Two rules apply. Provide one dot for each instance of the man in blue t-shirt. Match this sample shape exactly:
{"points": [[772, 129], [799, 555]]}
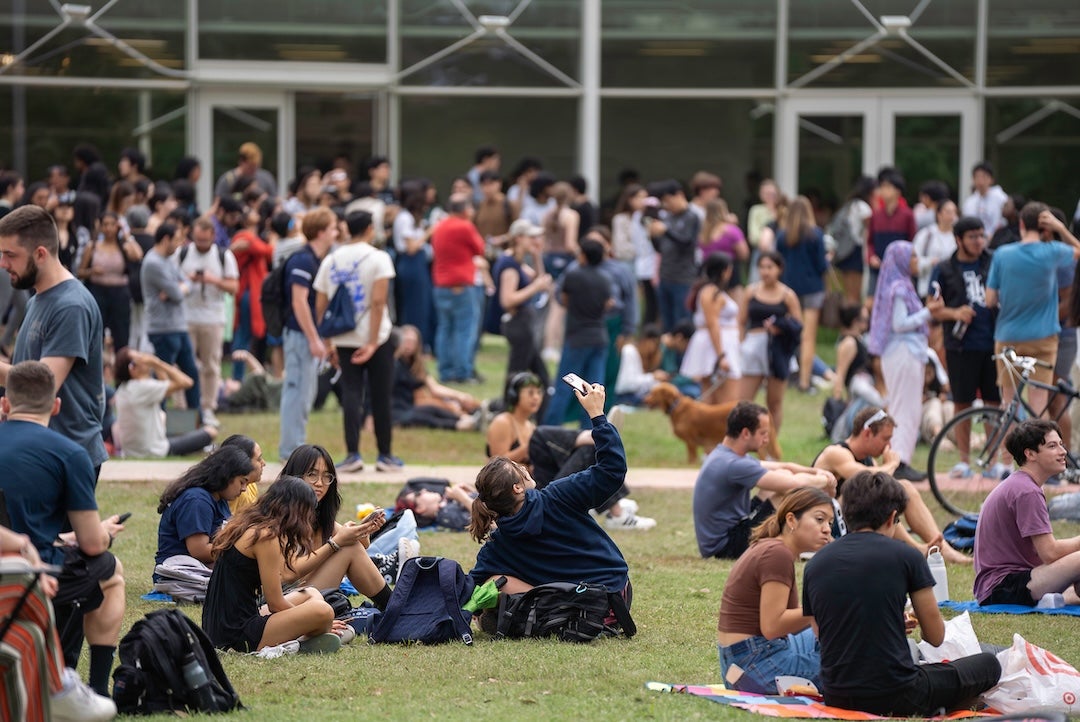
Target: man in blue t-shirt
{"points": [[1023, 282], [724, 514], [62, 327], [50, 484], [968, 326], [302, 345]]}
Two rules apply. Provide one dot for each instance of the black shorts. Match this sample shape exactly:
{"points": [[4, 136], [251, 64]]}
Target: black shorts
{"points": [[972, 372], [81, 576], [1012, 589]]}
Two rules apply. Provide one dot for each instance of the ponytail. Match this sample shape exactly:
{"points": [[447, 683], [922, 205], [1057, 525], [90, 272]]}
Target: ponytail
{"points": [[768, 529], [481, 521], [495, 495], [797, 502]]}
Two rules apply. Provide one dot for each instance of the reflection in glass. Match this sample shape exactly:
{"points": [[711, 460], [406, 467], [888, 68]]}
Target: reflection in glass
{"points": [[329, 125], [234, 126], [1033, 43], [830, 155], [928, 148]]}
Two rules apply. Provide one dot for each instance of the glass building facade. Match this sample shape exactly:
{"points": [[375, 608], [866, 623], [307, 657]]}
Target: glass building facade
{"points": [[811, 92]]}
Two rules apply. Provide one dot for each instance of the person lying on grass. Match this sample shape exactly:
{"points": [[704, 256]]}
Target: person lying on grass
{"points": [[762, 629], [535, 536], [252, 551]]}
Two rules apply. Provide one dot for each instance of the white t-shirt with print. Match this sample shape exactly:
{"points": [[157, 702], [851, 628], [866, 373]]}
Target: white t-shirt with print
{"points": [[359, 266]]}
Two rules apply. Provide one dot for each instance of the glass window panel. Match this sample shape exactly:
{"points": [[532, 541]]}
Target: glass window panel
{"points": [[1033, 43], [820, 31], [52, 135], [830, 155], [549, 28], [695, 43], [314, 30], [1038, 161], [928, 148], [155, 29], [440, 135], [696, 136], [329, 125]]}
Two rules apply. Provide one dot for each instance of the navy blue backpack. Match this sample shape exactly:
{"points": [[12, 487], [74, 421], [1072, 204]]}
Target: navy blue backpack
{"points": [[426, 604]]}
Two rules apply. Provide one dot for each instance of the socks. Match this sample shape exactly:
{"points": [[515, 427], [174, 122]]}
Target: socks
{"points": [[101, 662], [382, 598]]}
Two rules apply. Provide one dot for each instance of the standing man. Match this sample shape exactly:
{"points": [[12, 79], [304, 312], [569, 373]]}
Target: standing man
{"points": [[50, 486], [969, 329], [488, 160], [212, 272], [457, 249], [1022, 285], [724, 513], [164, 289], [62, 328], [304, 350], [365, 354], [987, 198], [675, 237], [249, 163], [890, 221]]}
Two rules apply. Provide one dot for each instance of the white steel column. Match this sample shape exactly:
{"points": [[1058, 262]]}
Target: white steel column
{"points": [[589, 105]]}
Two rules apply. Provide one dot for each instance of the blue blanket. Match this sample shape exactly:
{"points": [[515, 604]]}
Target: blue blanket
{"points": [[975, 608]]}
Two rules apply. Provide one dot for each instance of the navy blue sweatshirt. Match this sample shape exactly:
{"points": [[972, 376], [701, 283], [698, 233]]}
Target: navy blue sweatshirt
{"points": [[552, 538]]}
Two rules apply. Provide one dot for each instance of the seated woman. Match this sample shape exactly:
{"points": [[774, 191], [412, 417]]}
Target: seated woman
{"points": [[194, 507], [343, 548], [250, 447], [140, 421], [418, 399], [444, 505], [552, 452], [535, 536], [639, 367], [252, 552], [854, 375], [762, 630]]}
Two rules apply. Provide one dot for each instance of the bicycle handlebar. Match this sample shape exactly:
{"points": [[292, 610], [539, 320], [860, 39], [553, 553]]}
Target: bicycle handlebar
{"points": [[1008, 355]]}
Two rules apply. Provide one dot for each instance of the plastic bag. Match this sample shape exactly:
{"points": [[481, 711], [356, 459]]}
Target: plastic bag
{"points": [[960, 641], [1031, 678]]}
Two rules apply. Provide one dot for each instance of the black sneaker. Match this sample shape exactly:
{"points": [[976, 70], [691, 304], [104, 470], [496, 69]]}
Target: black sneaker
{"points": [[909, 473]]}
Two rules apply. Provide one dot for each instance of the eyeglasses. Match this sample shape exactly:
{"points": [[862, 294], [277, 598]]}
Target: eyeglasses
{"points": [[881, 415], [325, 478]]}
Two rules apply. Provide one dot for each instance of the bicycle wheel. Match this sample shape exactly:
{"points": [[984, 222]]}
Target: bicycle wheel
{"points": [[964, 494]]}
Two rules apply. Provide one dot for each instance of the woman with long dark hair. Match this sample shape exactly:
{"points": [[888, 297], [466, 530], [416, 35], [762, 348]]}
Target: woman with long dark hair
{"points": [[713, 350], [253, 551], [802, 244], [254, 451], [413, 288]]}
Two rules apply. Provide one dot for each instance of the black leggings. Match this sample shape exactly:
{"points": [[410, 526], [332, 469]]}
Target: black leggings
{"points": [[553, 455], [374, 378], [114, 302], [648, 297], [520, 331], [189, 443]]}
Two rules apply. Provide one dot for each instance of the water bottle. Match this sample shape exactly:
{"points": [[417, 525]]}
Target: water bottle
{"points": [[196, 681], [936, 562]]}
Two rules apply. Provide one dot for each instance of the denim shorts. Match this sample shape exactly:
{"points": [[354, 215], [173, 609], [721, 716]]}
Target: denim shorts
{"points": [[763, 660]]}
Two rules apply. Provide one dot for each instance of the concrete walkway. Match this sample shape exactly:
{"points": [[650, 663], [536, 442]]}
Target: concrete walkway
{"points": [[163, 471]]}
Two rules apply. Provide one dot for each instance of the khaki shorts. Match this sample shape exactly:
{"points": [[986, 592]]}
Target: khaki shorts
{"points": [[1044, 349]]}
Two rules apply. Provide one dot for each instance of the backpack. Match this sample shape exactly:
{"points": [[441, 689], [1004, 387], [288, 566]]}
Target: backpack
{"points": [[831, 412], [426, 604], [844, 236], [961, 533], [272, 297], [187, 247], [571, 612], [151, 676]]}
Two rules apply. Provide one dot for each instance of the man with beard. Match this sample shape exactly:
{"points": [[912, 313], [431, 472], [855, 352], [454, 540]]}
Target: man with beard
{"points": [[62, 327]]}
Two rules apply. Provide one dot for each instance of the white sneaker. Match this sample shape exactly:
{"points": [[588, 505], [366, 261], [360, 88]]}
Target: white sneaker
{"points": [[346, 635], [629, 506], [629, 522], [551, 355], [406, 549], [209, 418], [616, 417], [78, 703]]}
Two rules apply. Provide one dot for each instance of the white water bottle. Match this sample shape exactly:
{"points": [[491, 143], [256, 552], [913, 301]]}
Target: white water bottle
{"points": [[936, 562]]}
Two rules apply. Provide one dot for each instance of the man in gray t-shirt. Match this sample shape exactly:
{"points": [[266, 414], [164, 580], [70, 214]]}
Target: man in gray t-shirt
{"points": [[723, 512], [62, 328], [164, 288]]}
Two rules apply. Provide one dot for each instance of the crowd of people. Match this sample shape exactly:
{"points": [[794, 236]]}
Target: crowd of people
{"points": [[135, 285]]}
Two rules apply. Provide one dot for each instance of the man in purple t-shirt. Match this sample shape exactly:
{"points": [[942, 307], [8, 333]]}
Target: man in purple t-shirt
{"points": [[1017, 558]]}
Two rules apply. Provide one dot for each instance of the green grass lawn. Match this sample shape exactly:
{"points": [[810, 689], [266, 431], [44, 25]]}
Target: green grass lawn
{"points": [[676, 598]]}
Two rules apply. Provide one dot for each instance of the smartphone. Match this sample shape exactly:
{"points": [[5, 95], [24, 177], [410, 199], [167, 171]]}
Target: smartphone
{"points": [[936, 288], [576, 382], [123, 517]]}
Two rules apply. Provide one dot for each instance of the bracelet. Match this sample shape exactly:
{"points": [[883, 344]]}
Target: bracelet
{"points": [[333, 544]]}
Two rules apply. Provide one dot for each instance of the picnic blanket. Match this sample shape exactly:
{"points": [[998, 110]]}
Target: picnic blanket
{"points": [[974, 607], [777, 706]]}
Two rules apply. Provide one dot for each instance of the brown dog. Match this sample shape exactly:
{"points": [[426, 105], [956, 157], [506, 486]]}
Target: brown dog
{"points": [[697, 424]]}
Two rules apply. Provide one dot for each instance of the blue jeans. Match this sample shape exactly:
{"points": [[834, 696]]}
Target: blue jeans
{"points": [[455, 332], [671, 297], [587, 362], [297, 393], [175, 348], [242, 336], [762, 660]]}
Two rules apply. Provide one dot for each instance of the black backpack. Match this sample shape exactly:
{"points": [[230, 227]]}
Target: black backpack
{"points": [[272, 297], [151, 678], [571, 612], [426, 604]]}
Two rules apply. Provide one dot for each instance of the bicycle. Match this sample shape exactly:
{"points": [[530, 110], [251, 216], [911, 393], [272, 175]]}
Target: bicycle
{"points": [[964, 495]]}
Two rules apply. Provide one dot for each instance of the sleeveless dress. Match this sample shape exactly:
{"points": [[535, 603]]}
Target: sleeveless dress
{"points": [[231, 613], [700, 357]]}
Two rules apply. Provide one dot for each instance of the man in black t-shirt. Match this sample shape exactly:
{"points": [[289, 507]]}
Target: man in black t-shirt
{"points": [[866, 662], [586, 293]]}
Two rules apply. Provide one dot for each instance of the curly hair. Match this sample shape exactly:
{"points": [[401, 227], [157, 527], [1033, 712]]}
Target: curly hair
{"points": [[285, 512]]}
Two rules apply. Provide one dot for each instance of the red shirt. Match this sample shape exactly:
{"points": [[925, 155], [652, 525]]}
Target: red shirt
{"points": [[454, 243], [253, 263]]}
